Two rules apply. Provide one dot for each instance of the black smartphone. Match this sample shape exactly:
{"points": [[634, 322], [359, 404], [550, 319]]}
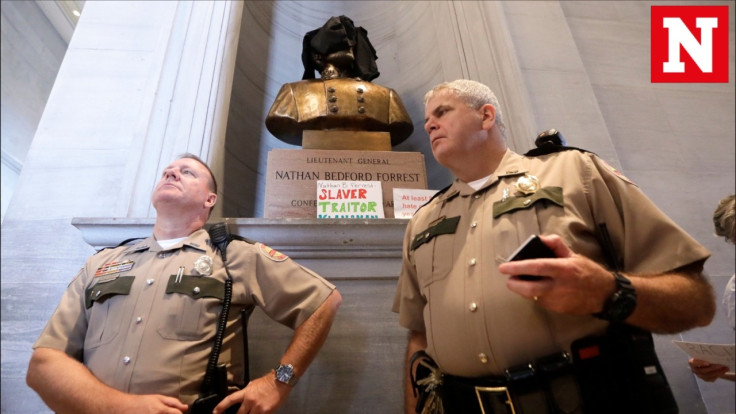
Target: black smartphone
{"points": [[532, 248]]}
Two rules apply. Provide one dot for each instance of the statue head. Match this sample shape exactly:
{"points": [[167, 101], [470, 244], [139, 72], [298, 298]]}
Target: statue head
{"points": [[338, 49]]}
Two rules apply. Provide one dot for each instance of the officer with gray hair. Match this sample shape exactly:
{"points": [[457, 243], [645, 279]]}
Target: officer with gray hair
{"points": [[545, 334]]}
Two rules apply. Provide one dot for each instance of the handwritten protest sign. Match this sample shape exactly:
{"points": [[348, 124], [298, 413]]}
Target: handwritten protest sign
{"points": [[714, 353], [349, 199], [408, 200]]}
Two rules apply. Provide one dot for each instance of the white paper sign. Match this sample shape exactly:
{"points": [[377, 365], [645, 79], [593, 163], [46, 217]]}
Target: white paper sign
{"points": [[408, 200], [349, 199], [722, 354]]}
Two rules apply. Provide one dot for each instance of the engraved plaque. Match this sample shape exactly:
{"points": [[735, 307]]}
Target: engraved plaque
{"points": [[292, 175]]}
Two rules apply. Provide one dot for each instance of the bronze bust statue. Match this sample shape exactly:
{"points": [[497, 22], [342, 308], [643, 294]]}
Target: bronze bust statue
{"points": [[343, 101]]}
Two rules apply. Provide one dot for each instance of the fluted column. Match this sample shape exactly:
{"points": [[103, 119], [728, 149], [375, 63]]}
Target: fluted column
{"points": [[141, 82]]}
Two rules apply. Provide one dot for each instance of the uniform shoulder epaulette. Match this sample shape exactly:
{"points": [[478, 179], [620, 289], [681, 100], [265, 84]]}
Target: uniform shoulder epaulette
{"points": [[241, 238], [551, 148], [122, 243]]}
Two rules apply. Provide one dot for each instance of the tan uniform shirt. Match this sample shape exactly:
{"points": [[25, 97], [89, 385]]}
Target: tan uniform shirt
{"points": [[450, 286], [150, 328]]}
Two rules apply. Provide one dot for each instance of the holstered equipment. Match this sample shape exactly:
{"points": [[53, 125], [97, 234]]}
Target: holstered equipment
{"points": [[620, 373], [426, 379]]}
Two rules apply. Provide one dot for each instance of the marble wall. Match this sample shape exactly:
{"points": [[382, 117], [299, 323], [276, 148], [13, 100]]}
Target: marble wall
{"points": [[32, 52]]}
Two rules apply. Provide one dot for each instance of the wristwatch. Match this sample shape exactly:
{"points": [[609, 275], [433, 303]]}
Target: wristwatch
{"points": [[285, 374], [621, 304]]}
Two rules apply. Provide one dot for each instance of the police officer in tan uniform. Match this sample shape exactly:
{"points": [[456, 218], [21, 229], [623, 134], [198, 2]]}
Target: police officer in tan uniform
{"points": [[134, 329], [475, 314]]}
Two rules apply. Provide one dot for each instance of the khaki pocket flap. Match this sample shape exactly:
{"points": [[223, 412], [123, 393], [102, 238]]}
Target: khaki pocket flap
{"points": [[103, 290], [445, 226], [196, 287], [552, 194]]}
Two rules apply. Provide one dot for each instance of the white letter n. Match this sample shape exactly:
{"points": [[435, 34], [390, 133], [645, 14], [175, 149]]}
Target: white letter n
{"points": [[702, 53]]}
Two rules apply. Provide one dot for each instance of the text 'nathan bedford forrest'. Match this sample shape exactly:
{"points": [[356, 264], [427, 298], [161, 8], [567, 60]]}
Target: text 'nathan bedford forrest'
{"points": [[347, 176]]}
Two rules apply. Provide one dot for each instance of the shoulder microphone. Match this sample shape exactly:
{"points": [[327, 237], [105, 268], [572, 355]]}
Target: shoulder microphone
{"points": [[220, 237]]}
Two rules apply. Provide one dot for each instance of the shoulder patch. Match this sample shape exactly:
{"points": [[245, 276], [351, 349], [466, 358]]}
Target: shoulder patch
{"points": [[616, 172], [122, 243], [271, 254]]}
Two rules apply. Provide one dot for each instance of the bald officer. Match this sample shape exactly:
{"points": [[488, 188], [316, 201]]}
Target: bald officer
{"points": [[134, 330], [475, 315]]}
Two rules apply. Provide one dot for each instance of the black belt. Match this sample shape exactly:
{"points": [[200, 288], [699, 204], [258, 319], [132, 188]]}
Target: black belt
{"points": [[546, 386], [476, 395]]}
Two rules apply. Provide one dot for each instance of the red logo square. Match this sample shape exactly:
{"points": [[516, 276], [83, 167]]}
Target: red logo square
{"points": [[689, 44]]}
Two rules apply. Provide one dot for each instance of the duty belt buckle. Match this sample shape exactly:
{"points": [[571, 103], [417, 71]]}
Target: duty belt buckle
{"points": [[492, 396]]}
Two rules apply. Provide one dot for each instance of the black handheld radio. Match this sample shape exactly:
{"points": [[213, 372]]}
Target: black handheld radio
{"points": [[214, 386]]}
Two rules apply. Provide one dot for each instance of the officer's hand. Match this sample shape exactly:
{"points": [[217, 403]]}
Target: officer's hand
{"points": [[707, 371], [573, 284], [262, 396], [150, 404]]}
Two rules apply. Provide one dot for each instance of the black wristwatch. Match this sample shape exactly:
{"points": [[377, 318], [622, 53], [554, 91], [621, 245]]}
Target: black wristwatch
{"points": [[285, 374], [622, 303]]}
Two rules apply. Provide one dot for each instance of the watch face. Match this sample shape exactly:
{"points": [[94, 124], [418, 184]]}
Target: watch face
{"points": [[284, 373], [624, 306]]}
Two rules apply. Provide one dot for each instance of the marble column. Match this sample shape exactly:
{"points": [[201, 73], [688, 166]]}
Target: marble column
{"points": [[140, 83]]}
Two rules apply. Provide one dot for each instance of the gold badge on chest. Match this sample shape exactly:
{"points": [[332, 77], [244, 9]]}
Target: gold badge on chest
{"points": [[527, 184], [203, 265]]}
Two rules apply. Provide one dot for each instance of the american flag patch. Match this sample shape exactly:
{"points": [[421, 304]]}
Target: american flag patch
{"points": [[114, 267]]}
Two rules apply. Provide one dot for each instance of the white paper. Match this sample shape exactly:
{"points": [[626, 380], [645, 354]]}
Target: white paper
{"points": [[349, 199], [722, 354], [408, 200]]}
